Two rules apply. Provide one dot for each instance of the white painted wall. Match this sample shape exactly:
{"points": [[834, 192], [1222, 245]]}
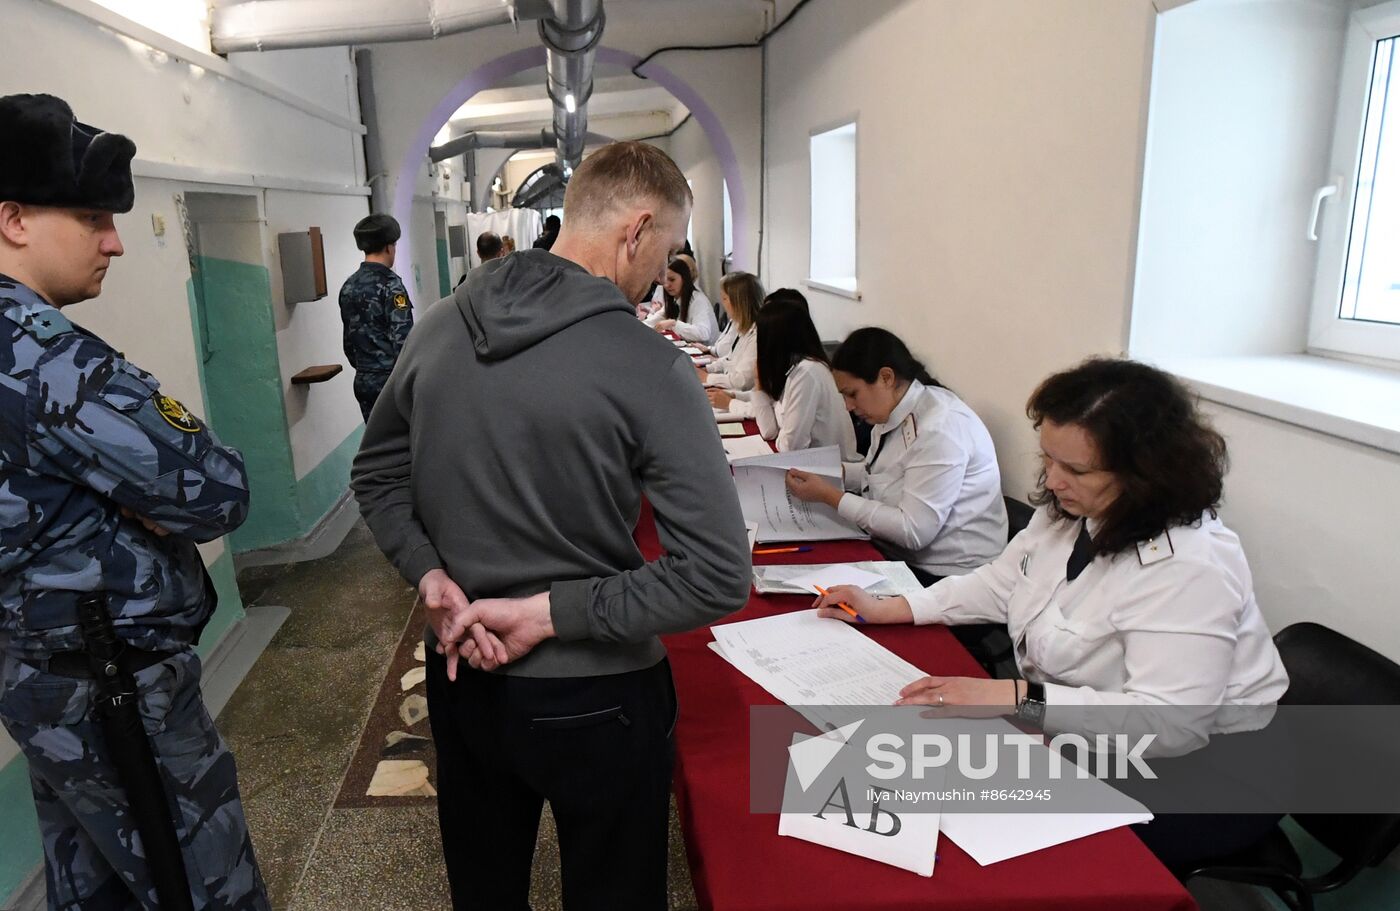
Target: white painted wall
{"points": [[320, 416], [1243, 102], [1317, 517], [998, 170], [691, 151]]}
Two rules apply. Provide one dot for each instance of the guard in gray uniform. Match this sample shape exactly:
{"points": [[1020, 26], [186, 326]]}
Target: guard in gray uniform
{"points": [[106, 485], [375, 310]]}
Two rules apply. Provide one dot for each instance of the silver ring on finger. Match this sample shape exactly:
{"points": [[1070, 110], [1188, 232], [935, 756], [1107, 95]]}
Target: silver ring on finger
{"points": [[940, 698]]}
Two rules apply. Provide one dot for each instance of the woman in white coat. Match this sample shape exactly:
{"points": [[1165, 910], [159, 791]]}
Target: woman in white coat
{"points": [[795, 399], [1125, 591], [740, 294], [929, 491], [688, 312]]}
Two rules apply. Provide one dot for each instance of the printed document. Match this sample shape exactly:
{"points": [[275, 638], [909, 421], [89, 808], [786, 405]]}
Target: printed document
{"points": [[765, 499]]}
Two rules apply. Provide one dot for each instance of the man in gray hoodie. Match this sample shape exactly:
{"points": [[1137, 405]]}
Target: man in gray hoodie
{"points": [[502, 471]]}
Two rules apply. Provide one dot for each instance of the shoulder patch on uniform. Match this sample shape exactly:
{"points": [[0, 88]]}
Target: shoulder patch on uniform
{"points": [[42, 322], [909, 427], [400, 301], [1155, 550], [176, 415]]}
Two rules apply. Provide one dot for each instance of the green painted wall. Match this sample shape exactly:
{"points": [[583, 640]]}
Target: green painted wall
{"points": [[444, 269], [20, 850], [234, 330]]}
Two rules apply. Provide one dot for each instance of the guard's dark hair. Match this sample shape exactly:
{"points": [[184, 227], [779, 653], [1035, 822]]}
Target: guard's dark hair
{"points": [[1169, 462], [786, 337], [867, 350], [679, 307]]}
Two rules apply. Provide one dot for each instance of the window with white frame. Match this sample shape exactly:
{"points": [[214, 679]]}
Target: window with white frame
{"points": [[1356, 297], [832, 266]]}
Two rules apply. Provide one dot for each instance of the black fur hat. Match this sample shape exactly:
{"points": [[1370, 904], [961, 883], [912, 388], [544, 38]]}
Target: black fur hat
{"points": [[49, 159], [375, 232]]}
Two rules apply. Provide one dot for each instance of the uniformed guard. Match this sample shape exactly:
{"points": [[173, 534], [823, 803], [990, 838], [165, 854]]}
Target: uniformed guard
{"points": [[375, 309], [106, 485]]}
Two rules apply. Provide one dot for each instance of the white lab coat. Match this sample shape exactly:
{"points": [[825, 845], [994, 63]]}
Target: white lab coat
{"points": [[1171, 622], [701, 326], [811, 413], [735, 368], [933, 495]]}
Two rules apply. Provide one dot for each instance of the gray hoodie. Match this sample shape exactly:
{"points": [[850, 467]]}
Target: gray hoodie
{"points": [[525, 419]]}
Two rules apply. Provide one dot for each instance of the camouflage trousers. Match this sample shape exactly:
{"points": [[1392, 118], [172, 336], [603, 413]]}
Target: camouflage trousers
{"points": [[93, 856], [367, 387]]}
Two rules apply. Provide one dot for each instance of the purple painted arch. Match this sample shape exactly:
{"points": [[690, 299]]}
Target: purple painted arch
{"points": [[490, 74]]}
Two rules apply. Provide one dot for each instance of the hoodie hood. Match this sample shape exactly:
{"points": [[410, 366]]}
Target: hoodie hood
{"points": [[512, 303]]}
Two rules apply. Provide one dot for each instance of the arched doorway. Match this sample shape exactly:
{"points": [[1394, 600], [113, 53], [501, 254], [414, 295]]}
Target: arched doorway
{"points": [[489, 74]]}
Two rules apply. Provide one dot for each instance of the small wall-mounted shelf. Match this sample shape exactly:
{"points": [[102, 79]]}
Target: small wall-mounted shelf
{"points": [[316, 374]]}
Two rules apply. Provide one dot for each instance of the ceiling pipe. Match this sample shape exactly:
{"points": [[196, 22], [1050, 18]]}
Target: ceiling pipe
{"points": [[571, 37], [570, 30], [507, 139], [272, 25]]}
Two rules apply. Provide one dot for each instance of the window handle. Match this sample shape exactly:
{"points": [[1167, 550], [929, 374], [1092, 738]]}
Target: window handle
{"points": [[1321, 194]]}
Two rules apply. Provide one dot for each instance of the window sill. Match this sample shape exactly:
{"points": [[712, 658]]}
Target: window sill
{"points": [[1355, 402], [834, 286]]}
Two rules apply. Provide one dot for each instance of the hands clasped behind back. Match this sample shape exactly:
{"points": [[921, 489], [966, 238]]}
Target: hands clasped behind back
{"points": [[487, 632]]}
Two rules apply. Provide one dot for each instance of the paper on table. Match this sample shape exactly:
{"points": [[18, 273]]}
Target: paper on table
{"points": [[725, 417], [752, 528], [679, 342], [746, 447], [836, 574], [691, 349], [913, 846], [895, 577], [803, 659], [764, 497], [732, 430]]}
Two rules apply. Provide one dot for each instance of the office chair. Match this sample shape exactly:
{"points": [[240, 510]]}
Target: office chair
{"points": [[1324, 668]]}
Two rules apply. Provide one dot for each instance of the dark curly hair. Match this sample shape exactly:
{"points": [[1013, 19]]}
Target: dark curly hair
{"points": [[1169, 462]]}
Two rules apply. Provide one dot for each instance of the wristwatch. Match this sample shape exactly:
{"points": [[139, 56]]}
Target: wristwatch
{"points": [[1031, 709]]}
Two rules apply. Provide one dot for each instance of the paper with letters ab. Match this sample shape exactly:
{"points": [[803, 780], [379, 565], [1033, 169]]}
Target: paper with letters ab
{"points": [[765, 499], [909, 841]]}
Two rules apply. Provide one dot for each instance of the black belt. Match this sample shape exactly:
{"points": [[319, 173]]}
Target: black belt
{"points": [[75, 664]]}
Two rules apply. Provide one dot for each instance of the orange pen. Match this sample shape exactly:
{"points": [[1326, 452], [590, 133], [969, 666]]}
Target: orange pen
{"points": [[843, 605]]}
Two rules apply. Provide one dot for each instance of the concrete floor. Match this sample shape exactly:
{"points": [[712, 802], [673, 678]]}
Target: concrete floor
{"points": [[293, 725]]}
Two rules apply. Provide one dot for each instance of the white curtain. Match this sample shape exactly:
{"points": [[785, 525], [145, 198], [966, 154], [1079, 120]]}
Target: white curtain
{"points": [[524, 225]]}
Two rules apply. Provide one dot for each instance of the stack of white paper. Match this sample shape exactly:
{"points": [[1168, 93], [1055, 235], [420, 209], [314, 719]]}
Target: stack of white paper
{"points": [[725, 417], [893, 578], [746, 447], [765, 499]]}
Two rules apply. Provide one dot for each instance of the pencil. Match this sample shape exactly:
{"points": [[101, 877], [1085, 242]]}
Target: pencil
{"points": [[843, 605], [782, 550]]}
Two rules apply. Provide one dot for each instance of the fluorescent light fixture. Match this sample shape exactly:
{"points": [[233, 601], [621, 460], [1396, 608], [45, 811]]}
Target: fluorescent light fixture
{"points": [[570, 104]]}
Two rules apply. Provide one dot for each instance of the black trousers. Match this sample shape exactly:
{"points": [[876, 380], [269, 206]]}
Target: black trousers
{"points": [[599, 749]]}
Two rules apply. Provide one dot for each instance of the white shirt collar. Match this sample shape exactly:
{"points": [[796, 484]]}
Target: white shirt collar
{"points": [[906, 404]]}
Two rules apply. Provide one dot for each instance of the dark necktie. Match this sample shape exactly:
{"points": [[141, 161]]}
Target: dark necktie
{"points": [[879, 447], [1082, 555]]}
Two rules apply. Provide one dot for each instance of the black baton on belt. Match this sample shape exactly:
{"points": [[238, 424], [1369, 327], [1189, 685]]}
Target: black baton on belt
{"points": [[131, 755]]}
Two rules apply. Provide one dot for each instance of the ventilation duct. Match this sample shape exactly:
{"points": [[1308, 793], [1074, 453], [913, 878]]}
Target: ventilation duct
{"points": [[508, 139], [570, 30]]}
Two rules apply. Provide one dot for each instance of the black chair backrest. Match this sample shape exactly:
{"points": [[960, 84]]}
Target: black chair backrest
{"points": [[1018, 516], [1327, 668]]}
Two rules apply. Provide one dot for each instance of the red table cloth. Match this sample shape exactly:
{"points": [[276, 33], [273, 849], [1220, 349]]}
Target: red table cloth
{"points": [[739, 862]]}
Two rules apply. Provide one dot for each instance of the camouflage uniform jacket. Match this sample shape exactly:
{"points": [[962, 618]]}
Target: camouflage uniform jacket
{"points": [[83, 434], [377, 314]]}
